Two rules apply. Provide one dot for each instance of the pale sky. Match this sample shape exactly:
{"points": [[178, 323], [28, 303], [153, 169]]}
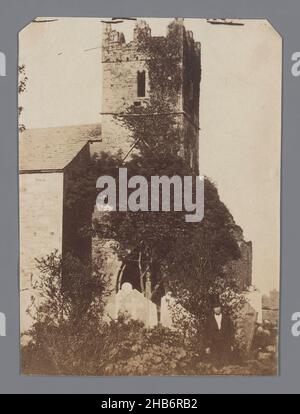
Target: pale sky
{"points": [[240, 110]]}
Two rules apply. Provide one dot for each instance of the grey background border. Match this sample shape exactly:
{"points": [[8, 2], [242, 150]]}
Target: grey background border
{"points": [[284, 15]]}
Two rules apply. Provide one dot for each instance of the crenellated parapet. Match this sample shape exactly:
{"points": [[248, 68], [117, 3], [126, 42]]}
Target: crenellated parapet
{"points": [[151, 69]]}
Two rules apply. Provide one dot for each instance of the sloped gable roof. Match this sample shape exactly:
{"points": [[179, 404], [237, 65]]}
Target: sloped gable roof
{"points": [[54, 148]]}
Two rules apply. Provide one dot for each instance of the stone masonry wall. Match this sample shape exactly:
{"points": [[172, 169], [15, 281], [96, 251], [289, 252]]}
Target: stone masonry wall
{"points": [[172, 72], [41, 203], [241, 269], [122, 61]]}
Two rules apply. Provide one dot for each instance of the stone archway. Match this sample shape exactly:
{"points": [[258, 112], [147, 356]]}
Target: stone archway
{"points": [[129, 273]]}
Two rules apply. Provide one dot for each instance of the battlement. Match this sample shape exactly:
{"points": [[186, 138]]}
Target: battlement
{"points": [[116, 49], [150, 69], [141, 30]]}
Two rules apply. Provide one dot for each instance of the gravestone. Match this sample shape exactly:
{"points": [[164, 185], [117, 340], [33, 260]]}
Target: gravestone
{"points": [[133, 303], [270, 307], [171, 311], [254, 297], [165, 311], [245, 325], [110, 308]]}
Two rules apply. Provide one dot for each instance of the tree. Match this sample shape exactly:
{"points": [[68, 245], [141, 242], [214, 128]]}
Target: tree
{"points": [[166, 248], [168, 253], [67, 313], [72, 336]]}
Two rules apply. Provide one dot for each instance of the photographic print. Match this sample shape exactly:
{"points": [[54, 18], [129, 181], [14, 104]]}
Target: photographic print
{"points": [[149, 196]]}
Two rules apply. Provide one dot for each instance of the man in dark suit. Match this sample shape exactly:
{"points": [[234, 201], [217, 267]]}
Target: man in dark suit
{"points": [[219, 336]]}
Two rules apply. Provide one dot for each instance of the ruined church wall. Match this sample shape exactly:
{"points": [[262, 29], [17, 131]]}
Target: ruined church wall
{"points": [[172, 68], [241, 269], [120, 65], [77, 211], [41, 202]]}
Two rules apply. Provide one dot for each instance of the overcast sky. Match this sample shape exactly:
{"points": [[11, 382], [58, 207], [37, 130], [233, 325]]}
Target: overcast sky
{"points": [[240, 110]]}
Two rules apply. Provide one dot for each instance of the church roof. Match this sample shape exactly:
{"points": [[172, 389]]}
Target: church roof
{"points": [[47, 149]]}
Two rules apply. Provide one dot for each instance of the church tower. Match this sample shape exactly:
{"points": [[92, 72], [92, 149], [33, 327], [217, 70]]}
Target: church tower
{"points": [[129, 81]]}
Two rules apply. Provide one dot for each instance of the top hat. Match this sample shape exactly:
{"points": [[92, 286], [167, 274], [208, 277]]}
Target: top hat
{"points": [[214, 301]]}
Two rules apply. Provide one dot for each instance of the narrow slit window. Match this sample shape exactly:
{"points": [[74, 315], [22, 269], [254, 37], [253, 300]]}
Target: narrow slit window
{"points": [[141, 84]]}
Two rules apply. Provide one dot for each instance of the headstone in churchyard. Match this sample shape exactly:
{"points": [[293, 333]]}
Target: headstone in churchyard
{"points": [[172, 312], [134, 304], [111, 308], [165, 311], [270, 307], [245, 326], [254, 297]]}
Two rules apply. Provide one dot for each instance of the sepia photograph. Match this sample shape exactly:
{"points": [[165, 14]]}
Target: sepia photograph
{"points": [[149, 196]]}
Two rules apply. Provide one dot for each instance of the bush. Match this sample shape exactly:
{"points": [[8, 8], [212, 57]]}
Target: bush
{"points": [[71, 335], [123, 347]]}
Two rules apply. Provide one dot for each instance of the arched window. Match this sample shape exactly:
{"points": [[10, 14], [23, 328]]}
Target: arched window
{"points": [[141, 84]]}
